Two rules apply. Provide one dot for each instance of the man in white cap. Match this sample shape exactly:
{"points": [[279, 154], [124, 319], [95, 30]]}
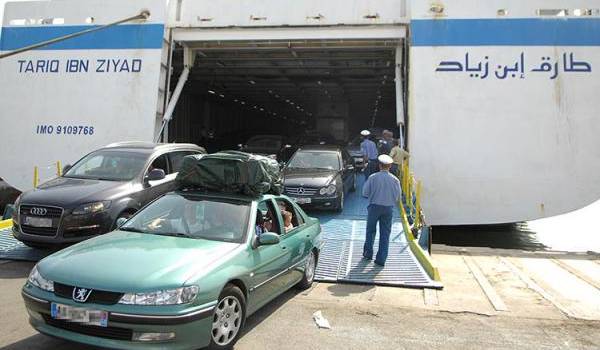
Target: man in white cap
{"points": [[369, 152], [383, 191]]}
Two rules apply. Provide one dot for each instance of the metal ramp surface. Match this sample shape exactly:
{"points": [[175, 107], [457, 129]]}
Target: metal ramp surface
{"points": [[11, 249], [341, 257]]}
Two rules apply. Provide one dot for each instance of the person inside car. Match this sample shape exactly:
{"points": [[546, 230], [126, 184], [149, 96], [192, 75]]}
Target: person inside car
{"points": [[287, 216], [260, 223]]}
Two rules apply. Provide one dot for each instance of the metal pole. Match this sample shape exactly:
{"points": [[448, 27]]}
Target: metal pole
{"points": [[399, 88], [144, 15], [173, 102]]}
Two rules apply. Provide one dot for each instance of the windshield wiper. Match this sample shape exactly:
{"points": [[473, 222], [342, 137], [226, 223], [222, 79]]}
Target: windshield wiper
{"points": [[173, 234], [131, 229]]}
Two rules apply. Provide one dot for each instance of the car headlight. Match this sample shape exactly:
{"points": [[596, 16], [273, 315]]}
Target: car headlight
{"points": [[39, 281], [177, 296], [92, 208], [329, 190]]}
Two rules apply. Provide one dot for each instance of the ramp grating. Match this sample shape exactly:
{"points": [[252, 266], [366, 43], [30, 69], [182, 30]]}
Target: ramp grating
{"points": [[11, 249], [341, 257]]}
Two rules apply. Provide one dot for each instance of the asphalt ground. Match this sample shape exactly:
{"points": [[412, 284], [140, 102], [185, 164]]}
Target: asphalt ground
{"points": [[492, 299]]}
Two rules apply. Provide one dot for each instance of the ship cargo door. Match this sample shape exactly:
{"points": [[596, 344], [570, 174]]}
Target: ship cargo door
{"points": [[286, 82]]}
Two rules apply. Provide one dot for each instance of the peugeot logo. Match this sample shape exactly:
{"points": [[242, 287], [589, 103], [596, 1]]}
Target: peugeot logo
{"points": [[38, 211], [81, 295], [301, 190]]}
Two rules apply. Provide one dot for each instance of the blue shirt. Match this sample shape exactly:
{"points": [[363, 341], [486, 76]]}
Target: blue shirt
{"points": [[382, 188], [369, 149]]}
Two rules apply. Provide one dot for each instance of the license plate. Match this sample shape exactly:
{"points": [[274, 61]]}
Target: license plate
{"points": [[38, 222], [302, 200], [79, 315]]}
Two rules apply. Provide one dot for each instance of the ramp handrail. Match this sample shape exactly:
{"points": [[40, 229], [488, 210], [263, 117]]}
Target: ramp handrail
{"points": [[413, 220]]}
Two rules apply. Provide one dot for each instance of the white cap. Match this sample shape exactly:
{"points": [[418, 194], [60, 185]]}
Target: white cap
{"points": [[365, 133], [385, 159]]}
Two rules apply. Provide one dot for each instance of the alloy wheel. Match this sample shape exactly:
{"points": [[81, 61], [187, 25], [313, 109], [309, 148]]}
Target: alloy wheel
{"points": [[227, 320]]}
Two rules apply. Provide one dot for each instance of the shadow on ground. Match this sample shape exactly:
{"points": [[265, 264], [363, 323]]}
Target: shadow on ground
{"points": [[9, 270], [504, 236]]}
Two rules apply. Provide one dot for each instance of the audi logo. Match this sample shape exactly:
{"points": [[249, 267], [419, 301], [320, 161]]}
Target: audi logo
{"points": [[38, 211]]}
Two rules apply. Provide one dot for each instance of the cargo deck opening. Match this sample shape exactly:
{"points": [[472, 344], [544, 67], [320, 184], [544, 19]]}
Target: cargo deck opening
{"points": [[239, 89]]}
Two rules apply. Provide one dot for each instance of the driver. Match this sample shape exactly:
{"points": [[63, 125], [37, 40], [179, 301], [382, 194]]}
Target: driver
{"points": [[186, 223]]}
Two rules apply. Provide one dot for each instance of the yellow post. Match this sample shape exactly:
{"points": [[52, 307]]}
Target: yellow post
{"points": [[418, 215], [410, 194], [405, 179], [58, 169], [36, 175]]}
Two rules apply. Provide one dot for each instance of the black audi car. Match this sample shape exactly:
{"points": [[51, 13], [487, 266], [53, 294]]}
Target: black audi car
{"points": [[319, 176], [105, 185]]}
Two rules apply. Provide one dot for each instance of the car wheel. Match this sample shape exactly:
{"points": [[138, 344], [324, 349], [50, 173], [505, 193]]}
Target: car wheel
{"points": [[228, 318], [340, 204], [353, 188], [309, 271]]}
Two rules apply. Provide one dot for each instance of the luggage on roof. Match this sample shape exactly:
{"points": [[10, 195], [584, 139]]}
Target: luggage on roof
{"points": [[231, 172]]}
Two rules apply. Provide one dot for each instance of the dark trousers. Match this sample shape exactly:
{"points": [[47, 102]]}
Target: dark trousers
{"points": [[383, 215], [372, 167], [395, 170]]}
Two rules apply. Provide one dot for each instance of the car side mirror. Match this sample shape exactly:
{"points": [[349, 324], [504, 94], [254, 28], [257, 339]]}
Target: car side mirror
{"points": [[268, 238], [155, 175], [121, 222], [66, 168]]}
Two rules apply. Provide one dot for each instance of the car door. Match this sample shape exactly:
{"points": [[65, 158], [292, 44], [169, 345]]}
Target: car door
{"points": [[270, 275], [296, 240]]}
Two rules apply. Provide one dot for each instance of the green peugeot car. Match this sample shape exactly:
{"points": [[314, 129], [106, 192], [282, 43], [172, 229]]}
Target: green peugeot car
{"points": [[183, 273]]}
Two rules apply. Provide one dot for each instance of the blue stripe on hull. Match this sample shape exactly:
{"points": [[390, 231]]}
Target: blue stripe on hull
{"points": [[506, 32], [125, 36]]}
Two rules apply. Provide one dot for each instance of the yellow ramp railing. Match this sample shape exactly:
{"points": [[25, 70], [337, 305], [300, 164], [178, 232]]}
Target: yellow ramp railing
{"points": [[412, 191]]}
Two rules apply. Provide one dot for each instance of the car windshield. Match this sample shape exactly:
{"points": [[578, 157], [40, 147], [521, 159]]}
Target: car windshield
{"points": [[264, 142], [109, 165], [315, 159], [193, 217]]}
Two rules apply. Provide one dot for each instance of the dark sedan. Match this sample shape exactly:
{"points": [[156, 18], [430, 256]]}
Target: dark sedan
{"points": [[266, 145], [319, 177], [105, 185]]}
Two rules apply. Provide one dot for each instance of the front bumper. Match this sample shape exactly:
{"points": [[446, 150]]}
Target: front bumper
{"points": [[191, 326], [70, 229], [316, 202]]}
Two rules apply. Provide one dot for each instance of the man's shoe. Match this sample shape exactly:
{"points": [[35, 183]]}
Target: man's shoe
{"points": [[367, 257], [379, 263]]}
